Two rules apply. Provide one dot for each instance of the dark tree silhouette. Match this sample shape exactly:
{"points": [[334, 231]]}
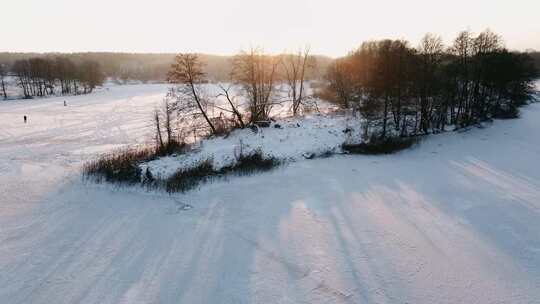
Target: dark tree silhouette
{"points": [[407, 91], [187, 72], [3, 74], [40, 76]]}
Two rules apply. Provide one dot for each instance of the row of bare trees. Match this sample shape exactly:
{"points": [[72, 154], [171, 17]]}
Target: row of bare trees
{"points": [[49, 76], [260, 77], [402, 91], [255, 88]]}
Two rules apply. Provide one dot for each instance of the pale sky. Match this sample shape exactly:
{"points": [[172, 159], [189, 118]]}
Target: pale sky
{"points": [[330, 27]]}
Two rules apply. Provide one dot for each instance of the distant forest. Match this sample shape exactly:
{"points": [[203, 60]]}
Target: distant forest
{"points": [[148, 67], [41, 74], [154, 67]]}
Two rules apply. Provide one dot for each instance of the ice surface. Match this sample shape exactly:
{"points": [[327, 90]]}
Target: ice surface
{"points": [[455, 220]]}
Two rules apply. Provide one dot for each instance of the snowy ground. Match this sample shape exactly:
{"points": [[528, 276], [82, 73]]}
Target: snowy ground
{"points": [[456, 220], [287, 139]]}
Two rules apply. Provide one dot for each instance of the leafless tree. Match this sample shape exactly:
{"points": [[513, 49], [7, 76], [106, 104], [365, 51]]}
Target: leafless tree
{"points": [[159, 138], [90, 76], [187, 73], [3, 73], [430, 54], [422, 90], [256, 73], [341, 84], [168, 110], [38, 76], [164, 120], [462, 49], [226, 93], [295, 67], [487, 42]]}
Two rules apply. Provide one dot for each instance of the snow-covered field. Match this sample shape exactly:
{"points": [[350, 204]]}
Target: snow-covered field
{"points": [[455, 220]]}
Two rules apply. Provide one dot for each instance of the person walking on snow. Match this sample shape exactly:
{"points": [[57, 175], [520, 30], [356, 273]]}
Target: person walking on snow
{"points": [[65, 104], [24, 118]]}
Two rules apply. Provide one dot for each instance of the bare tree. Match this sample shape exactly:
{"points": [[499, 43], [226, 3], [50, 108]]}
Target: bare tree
{"points": [[424, 89], [341, 84], [487, 42], [430, 53], [38, 76], [159, 138], [187, 72], [226, 92], [3, 73], [90, 76], [462, 49], [168, 110], [256, 73], [295, 67], [164, 123]]}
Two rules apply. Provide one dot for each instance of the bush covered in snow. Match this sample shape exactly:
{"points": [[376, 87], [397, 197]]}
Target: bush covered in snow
{"points": [[381, 146], [118, 167], [123, 166], [185, 179], [189, 178]]}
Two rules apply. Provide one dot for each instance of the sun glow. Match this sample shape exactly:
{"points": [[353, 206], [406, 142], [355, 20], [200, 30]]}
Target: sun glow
{"points": [[224, 27]]}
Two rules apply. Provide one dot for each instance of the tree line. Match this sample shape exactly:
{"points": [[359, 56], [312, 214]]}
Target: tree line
{"points": [[39, 77], [254, 88], [125, 67], [401, 90]]}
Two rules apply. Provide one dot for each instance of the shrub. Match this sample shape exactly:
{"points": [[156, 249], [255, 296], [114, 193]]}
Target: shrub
{"points": [[119, 167], [148, 178], [381, 146], [186, 179], [171, 147], [506, 111], [122, 166], [250, 163]]}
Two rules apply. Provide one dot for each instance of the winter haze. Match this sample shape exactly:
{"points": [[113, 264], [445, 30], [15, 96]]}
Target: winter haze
{"points": [[224, 27]]}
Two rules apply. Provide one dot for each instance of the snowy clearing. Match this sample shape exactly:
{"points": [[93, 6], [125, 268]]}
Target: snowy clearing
{"points": [[455, 220]]}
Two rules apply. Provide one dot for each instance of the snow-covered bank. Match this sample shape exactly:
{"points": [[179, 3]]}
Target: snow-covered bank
{"points": [[456, 220], [287, 139]]}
